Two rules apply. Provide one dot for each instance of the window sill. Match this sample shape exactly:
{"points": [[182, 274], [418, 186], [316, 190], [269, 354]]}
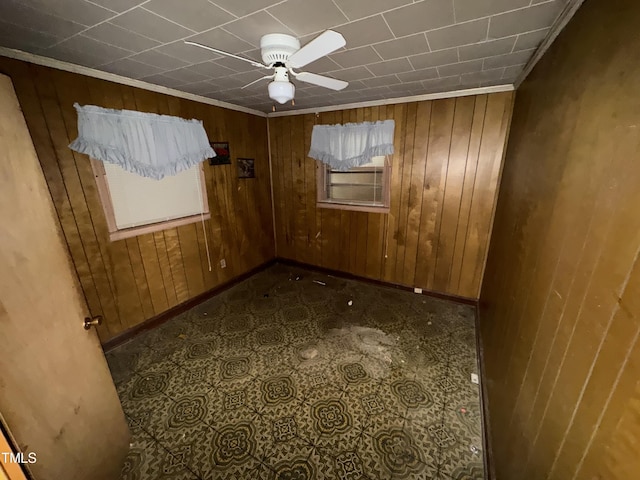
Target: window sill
{"points": [[356, 208], [155, 227]]}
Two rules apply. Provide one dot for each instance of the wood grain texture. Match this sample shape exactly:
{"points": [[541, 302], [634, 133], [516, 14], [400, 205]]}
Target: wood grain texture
{"points": [[448, 155], [560, 305], [129, 281]]}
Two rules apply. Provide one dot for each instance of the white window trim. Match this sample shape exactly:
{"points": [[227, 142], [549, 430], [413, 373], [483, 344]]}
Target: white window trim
{"points": [[120, 234]]}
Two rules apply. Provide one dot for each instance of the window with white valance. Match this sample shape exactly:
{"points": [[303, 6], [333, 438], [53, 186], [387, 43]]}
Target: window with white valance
{"points": [[354, 169], [148, 168]]}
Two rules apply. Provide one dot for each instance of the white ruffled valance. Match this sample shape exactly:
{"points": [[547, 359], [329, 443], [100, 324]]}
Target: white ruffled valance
{"points": [[147, 144], [351, 145]]}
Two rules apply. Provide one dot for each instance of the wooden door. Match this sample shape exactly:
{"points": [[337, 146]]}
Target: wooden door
{"points": [[56, 393]]}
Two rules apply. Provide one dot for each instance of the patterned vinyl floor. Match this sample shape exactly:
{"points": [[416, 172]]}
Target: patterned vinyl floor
{"points": [[285, 378]]}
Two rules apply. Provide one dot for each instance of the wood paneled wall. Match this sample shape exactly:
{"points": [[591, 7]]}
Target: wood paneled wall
{"points": [[132, 280], [560, 304], [443, 188]]}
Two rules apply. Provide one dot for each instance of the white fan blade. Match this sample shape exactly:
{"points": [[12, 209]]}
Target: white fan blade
{"points": [[221, 52], [258, 80], [322, 81], [325, 43]]}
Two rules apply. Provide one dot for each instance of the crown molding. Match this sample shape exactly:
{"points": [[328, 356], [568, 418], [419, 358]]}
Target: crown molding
{"points": [[112, 77], [392, 101], [567, 14]]}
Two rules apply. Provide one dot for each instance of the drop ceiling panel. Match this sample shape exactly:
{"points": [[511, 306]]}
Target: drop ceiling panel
{"points": [[394, 47]]}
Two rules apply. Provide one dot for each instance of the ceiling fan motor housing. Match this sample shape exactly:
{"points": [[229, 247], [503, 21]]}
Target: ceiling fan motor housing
{"points": [[278, 47]]}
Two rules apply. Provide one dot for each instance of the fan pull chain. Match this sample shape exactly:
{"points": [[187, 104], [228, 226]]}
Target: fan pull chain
{"points": [[204, 229]]}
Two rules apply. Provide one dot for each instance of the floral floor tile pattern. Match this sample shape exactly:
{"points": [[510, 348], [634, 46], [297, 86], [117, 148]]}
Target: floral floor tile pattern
{"points": [[296, 375]]}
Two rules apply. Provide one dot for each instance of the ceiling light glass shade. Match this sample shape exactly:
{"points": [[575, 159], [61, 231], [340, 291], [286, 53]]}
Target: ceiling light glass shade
{"points": [[281, 92]]}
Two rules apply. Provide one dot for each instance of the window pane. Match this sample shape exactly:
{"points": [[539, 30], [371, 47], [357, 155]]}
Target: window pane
{"points": [[139, 201], [375, 162], [358, 178], [364, 194]]}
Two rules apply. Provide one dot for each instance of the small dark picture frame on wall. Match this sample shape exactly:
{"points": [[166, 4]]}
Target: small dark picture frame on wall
{"points": [[246, 168], [223, 156]]}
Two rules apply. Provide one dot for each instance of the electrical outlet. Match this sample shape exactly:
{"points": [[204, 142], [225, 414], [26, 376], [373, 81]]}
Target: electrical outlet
{"points": [[223, 263], [417, 290], [474, 378]]}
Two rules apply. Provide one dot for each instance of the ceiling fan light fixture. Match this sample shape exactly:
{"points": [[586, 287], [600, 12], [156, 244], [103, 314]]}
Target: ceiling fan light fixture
{"points": [[281, 92]]}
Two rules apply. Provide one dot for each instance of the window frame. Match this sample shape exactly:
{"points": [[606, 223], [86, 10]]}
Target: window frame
{"points": [[323, 201], [115, 234]]}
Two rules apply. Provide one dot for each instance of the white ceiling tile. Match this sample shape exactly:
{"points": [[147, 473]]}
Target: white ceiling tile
{"points": [[440, 84], [201, 88], [355, 57], [252, 27], [418, 75], [221, 40], [21, 38], [460, 68], [353, 73], [471, 9], [78, 11], [508, 60], [118, 5], [402, 47], [162, 80], [305, 17], [85, 45], [388, 67], [197, 15], [381, 81], [212, 70], [355, 9], [185, 75], [456, 35], [130, 68], [365, 32], [160, 60], [483, 76], [240, 8], [513, 72], [150, 25], [487, 49], [84, 57], [15, 13], [120, 37], [529, 40], [524, 20], [433, 59], [420, 17], [187, 53]]}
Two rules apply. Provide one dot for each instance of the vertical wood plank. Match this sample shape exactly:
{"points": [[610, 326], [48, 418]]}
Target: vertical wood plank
{"points": [[375, 221], [442, 114], [477, 128], [452, 194], [398, 113], [416, 189]]}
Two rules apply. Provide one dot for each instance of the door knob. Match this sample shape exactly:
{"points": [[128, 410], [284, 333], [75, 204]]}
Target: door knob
{"points": [[92, 322]]}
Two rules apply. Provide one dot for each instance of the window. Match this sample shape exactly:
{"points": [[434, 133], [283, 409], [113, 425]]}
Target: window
{"points": [[364, 188], [135, 205]]}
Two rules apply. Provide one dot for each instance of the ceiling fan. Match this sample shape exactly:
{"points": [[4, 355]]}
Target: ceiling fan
{"points": [[282, 53]]}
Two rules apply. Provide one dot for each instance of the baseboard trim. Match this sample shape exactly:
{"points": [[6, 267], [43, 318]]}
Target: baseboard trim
{"points": [[489, 471], [181, 308], [373, 281]]}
